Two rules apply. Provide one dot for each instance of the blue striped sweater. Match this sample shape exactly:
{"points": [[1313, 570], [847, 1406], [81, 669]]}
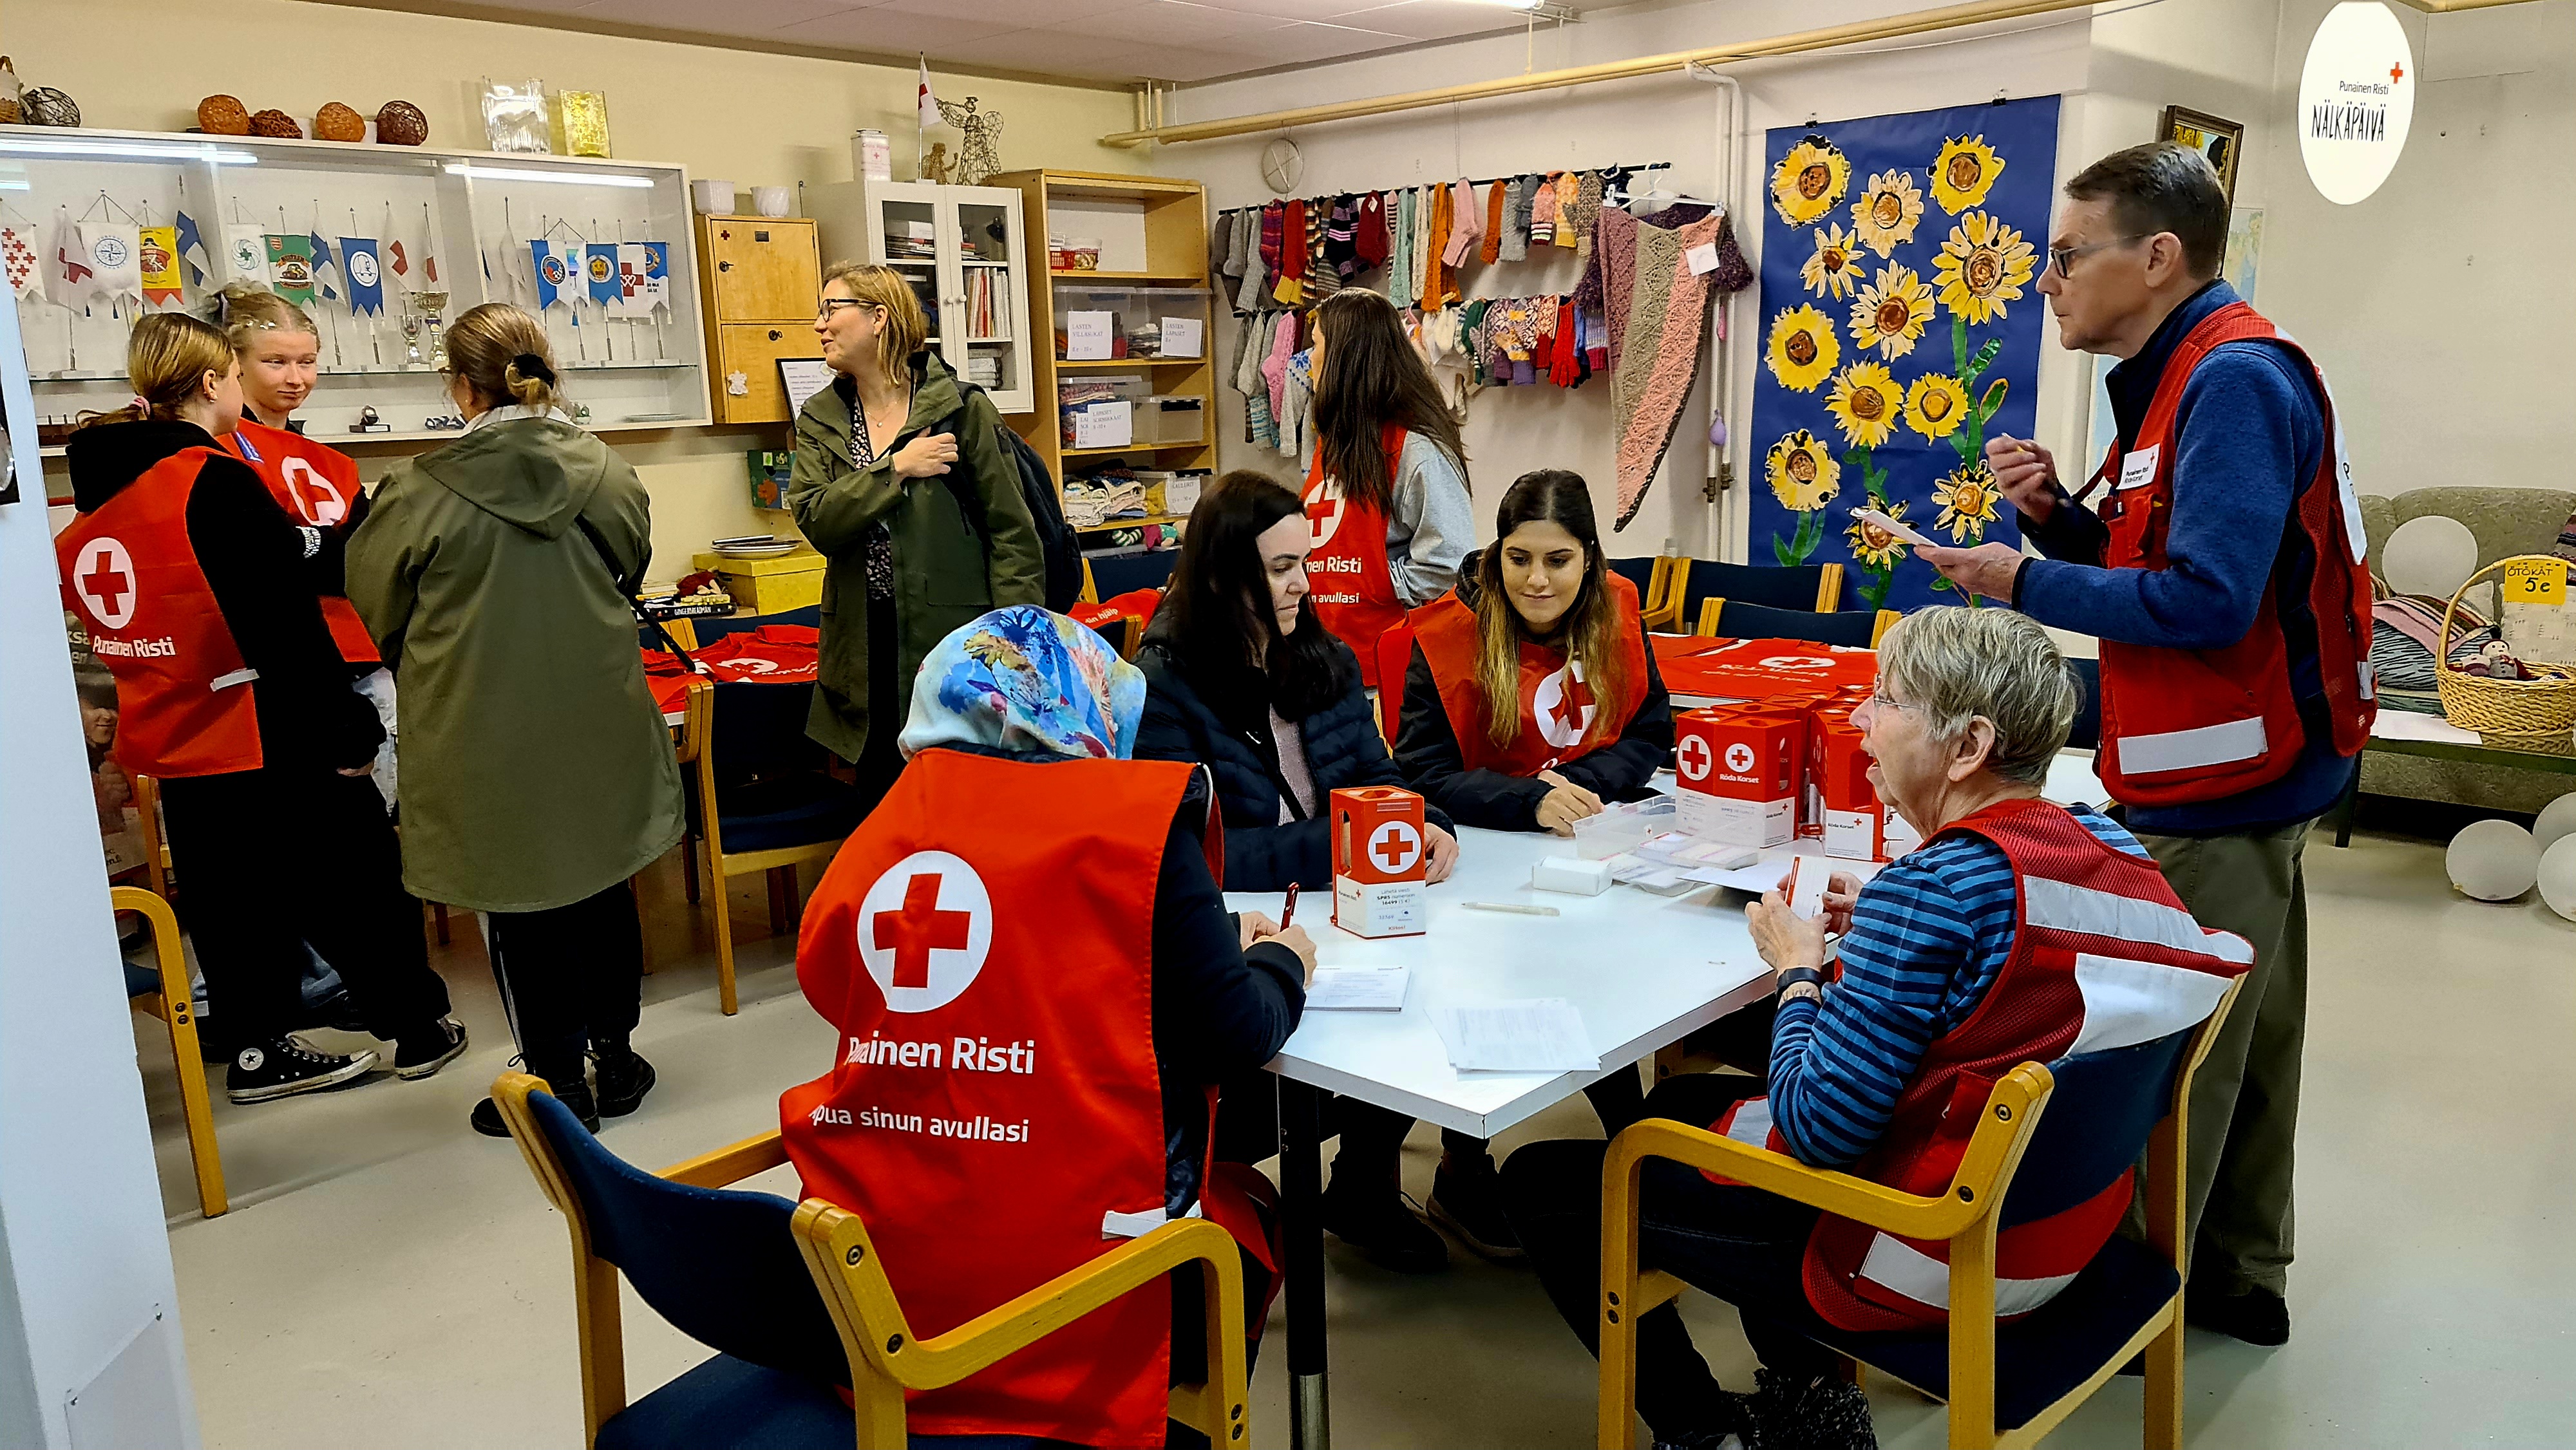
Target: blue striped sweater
{"points": [[1928, 937]]}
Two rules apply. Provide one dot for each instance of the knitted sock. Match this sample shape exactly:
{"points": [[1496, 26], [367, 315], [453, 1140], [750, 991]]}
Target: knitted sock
{"points": [[1341, 229], [1221, 242], [1492, 251], [1516, 218]]}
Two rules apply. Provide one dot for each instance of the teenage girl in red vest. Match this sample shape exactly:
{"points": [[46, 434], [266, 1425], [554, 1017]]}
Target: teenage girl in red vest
{"points": [[1386, 498], [1532, 697], [2019, 931], [1097, 990], [192, 584]]}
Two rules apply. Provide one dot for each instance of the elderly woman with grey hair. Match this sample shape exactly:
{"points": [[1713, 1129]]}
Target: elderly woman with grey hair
{"points": [[1945, 982]]}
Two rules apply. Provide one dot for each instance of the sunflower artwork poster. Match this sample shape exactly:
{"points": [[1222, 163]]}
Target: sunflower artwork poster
{"points": [[1901, 328]]}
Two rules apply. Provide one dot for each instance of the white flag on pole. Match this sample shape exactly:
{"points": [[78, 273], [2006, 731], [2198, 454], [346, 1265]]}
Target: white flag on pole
{"points": [[929, 102]]}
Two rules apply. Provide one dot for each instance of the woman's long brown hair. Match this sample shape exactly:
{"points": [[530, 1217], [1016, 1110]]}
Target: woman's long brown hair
{"points": [[1585, 630], [1372, 377]]}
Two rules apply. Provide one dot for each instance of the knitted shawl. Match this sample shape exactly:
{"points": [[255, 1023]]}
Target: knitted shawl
{"points": [[1657, 312]]}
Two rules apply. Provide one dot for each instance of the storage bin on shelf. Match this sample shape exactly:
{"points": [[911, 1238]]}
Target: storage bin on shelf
{"points": [[767, 586], [1129, 322], [1101, 412], [1171, 418]]}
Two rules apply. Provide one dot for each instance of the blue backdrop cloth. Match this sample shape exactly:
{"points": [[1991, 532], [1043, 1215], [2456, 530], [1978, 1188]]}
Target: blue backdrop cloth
{"points": [[1901, 327]]}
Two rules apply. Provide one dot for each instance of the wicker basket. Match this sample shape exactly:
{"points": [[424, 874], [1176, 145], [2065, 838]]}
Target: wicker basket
{"points": [[2545, 706]]}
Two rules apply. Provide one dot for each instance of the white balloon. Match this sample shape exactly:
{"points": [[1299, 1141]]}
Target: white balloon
{"points": [[2430, 555], [2493, 860], [2558, 876], [2557, 821]]}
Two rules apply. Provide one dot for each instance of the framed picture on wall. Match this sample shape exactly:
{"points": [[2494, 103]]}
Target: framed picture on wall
{"points": [[2219, 140]]}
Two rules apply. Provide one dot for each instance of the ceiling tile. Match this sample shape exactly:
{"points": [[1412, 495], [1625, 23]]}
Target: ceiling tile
{"points": [[736, 17], [1090, 57], [893, 31], [1304, 41], [1286, 10], [1159, 23], [1018, 14], [1434, 19]]}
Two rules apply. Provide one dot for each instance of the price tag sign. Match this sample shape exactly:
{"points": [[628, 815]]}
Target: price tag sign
{"points": [[2535, 581]]}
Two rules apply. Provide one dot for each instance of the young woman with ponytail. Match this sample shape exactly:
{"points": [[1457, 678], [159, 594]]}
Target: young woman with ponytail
{"points": [[497, 575], [193, 586]]}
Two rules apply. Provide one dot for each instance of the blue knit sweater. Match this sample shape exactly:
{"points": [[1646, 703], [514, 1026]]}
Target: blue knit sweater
{"points": [[2247, 440]]}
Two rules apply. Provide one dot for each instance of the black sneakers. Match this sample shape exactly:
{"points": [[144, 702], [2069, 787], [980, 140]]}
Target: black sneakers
{"points": [[623, 1077], [574, 1095], [1817, 1414], [283, 1066], [421, 1053], [1378, 1222], [2256, 1316], [1467, 1200]]}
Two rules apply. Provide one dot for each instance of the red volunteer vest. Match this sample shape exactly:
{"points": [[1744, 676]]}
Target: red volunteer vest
{"points": [[2197, 725], [1353, 590], [996, 1092], [2104, 955], [316, 484], [183, 698], [1560, 718]]}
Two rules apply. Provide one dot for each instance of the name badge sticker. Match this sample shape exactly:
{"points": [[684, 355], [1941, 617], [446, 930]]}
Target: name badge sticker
{"points": [[2138, 469]]}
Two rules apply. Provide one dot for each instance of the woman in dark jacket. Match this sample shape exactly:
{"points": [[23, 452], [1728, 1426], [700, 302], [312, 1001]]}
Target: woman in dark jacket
{"points": [[1242, 679]]}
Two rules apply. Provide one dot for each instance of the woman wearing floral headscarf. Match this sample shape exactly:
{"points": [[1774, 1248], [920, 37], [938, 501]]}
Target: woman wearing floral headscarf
{"points": [[1046, 908]]}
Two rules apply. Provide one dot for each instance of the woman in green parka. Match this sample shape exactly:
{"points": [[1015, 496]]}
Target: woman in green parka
{"points": [[496, 575], [901, 480]]}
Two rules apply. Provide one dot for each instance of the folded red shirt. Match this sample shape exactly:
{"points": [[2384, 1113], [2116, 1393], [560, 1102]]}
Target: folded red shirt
{"points": [[780, 654]]}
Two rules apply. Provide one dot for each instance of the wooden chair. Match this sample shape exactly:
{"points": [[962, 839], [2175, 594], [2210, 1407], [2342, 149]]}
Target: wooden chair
{"points": [[1651, 574], [762, 784], [1811, 588], [156, 848], [1741, 619], [169, 999], [722, 1265], [2007, 1386]]}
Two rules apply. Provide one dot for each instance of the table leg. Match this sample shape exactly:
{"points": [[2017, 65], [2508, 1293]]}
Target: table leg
{"points": [[1301, 1174], [2351, 802]]}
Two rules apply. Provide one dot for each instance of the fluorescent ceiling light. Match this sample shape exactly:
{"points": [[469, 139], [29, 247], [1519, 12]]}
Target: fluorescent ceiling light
{"points": [[128, 150], [566, 178], [15, 186]]}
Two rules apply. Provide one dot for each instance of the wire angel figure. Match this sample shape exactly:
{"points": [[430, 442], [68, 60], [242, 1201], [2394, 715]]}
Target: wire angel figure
{"points": [[980, 154]]}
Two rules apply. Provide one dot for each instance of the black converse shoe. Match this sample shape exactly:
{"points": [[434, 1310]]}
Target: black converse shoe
{"points": [[419, 1053], [283, 1066], [622, 1078], [1817, 1414]]}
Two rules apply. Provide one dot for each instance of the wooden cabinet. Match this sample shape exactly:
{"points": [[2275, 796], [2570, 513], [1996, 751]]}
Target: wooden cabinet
{"points": [[962, 249], [762, 277]]}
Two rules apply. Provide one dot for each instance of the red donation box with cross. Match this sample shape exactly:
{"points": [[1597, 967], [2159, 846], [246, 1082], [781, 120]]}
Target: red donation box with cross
{"points": [[1740, 768], [1380, 852]]}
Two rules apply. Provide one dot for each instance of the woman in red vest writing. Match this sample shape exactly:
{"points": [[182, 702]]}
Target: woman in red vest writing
{"points": [[2020, 931], [1386, 497], [193, 587], [1532, 698], [1031, 1023]]}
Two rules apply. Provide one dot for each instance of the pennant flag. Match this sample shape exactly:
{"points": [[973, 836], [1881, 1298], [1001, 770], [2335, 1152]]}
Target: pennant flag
{"points": [[428, 255], [160, 262], [929, 102], [246, 251], [366, 275], [290, 267], [18, 258], [191, 247], [395, 261], [601, 264], [115, 261], [66, 268], [656, 291], [326, 272], [557, 271]]}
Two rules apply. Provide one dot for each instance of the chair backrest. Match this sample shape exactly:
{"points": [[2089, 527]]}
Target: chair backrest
{"points": [[720, 1264], [1115, 574], [1639, 571], [2087, 732], [1394, 657], [1740, 619], [1800, 587], [2096, 1126], [759, 731]]}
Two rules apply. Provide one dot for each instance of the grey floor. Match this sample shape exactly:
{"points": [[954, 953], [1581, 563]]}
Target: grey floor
{"points": [[388, 1279]]}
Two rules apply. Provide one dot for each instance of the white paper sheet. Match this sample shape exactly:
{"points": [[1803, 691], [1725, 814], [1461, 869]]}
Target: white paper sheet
{"points": [[1538, 1034], [1086, 336], [1358, 989]]}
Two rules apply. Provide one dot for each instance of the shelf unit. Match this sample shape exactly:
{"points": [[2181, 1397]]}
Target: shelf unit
{"points": [[473, 211], [1153, 232], [977, 239], [761, 278]]}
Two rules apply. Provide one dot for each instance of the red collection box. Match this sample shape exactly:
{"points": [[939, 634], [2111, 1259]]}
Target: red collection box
{"points": [[1740, 768], [1380, 858]]}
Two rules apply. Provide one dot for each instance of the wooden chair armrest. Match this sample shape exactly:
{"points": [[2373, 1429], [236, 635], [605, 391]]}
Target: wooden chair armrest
{"points": [[698, 709], [844, 1261], [731, 1164], [2012, 1111]]}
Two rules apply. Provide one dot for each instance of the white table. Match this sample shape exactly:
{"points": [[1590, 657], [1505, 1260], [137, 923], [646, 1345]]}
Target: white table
{"points": [[1644, 970]]}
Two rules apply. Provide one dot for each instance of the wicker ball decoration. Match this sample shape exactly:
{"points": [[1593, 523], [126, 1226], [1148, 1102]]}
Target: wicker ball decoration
{"points": [[49, 107], [400, 123], [223, 116], [277, 125], [336, 122]]}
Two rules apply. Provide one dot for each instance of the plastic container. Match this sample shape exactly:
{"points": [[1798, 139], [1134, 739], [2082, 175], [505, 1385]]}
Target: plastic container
{"points": [[1167, 418], [1151, 312]]}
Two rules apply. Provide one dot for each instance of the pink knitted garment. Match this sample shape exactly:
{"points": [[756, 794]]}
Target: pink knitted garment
{"points": [[1466, 224], [1657, 311]]}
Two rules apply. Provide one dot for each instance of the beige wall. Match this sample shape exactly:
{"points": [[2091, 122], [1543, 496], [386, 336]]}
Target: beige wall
{"points": [[750, 118]]}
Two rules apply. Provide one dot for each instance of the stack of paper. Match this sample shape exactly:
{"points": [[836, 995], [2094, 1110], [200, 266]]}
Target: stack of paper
{"points": [[1358, 989], [1539, 1034]]}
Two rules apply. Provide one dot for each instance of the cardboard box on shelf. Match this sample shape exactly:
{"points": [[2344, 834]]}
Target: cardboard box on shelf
{"points": [[1740, 769], [768, 586], [1380, 859]]}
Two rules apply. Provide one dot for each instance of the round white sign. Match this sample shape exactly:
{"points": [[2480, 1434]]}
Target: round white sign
{"points": [[925, 929], [2356, 98]]}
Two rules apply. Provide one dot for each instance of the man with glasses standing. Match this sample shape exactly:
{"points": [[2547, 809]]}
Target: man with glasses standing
{"points": [[2222, 571]]}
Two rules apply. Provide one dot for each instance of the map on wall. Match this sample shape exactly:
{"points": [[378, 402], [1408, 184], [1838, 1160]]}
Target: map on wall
{"points": [[1901, 327]]}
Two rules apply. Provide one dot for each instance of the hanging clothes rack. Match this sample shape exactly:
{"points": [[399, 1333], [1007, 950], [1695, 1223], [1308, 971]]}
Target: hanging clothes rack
{"points": [[1628, 168]]}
